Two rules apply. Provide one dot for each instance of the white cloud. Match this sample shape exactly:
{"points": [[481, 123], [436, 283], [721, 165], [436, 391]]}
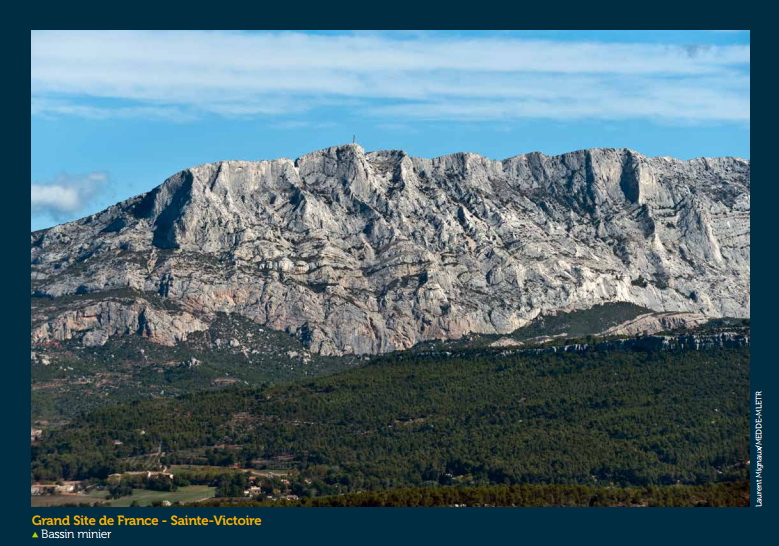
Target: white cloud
{"points": [[180, 75], [48, 108], [66, 195], [58, 198]]}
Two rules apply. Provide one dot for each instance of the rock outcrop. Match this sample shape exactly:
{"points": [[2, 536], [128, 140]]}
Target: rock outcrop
{"points": [[94, 323], [356, 252], [652, 323], [683, 342]]}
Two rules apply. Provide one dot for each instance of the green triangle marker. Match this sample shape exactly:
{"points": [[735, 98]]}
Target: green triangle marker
{"points": [[35, 535]]}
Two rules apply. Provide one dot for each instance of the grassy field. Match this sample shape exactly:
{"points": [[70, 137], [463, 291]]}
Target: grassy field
{"points": [[59, 500], [144, 497]]}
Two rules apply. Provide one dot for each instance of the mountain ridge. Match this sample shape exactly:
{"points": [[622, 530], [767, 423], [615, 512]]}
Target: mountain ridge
{"points": [[40, 231], [356, 252]]}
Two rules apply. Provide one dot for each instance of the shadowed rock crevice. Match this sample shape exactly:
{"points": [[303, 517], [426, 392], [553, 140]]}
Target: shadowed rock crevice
{"points": [[165, 224], [630, 181]]}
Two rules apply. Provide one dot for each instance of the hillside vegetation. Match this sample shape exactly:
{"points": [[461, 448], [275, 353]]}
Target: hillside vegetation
{"points": [[467, 418]]}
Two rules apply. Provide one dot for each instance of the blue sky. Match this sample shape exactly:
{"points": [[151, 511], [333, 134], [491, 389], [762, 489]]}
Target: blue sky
{"points": [[114, 113]]}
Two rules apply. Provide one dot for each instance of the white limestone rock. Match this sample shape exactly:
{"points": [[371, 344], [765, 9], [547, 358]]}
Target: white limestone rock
{"points": [[356, 252]]}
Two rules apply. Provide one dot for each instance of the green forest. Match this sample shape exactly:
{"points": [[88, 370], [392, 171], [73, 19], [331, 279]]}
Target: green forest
{"points": [[446, 421], [711, 495]]}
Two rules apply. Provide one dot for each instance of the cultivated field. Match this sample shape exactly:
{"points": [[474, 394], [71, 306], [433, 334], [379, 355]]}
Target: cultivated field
{"points": [[144, 497]]}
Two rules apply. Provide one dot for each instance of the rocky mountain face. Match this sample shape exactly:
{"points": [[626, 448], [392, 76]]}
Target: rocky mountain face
{"points": [[356, 252]]}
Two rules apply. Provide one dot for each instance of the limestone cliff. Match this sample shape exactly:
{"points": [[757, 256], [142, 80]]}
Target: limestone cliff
{"points": [[356, 252]]}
